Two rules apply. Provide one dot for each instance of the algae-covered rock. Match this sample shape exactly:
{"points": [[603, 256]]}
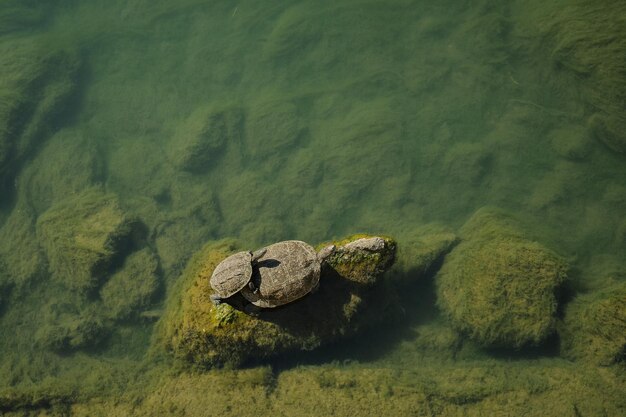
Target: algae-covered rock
{"points": [[499, 287], [36, 83], [83, 236], [133, 287], [424, 247], [196, 330], [594, 328], [202, 137], [361, 259], [66, 328]]}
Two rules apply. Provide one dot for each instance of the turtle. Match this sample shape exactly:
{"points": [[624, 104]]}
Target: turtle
{"points": [[287, 271], [233, 274]]}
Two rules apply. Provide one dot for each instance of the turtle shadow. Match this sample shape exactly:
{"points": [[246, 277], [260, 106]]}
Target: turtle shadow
{"points": [[406, 300], [318, 315]]}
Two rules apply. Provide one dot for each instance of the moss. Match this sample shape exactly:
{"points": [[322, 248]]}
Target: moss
{"points": [[594, 328], [500, 288], [207, 335], [82, 237], [422, 248], [132, 287]]}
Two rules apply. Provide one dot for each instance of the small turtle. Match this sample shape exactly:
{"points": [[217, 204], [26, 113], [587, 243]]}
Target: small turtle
{"points": [[286, 272], [233, 274]]}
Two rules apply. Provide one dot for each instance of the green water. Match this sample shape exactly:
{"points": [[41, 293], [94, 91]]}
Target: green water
{"points": [[335, 117]]}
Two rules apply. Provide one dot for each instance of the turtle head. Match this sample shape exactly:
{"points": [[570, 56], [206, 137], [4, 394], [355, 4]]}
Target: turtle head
{"points": [[325, 253], [257, 254]]}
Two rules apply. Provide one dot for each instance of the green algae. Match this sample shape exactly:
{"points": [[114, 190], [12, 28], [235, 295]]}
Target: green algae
{"points": [[498, 287], [351, 116], [594, 327], [83, 237]]}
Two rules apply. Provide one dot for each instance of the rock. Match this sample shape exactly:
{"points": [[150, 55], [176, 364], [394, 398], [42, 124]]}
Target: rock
{"points": [[66, 329], [499, 287], [196, 330], [571, 142], [423, 248], [594, 328], [82, 237], [131, 289], [202, 137], [361, 260], [36, 84]]}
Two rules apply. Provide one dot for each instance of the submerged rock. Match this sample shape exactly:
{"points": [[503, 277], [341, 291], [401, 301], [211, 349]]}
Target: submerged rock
{"points": [[131, 289], [202, 137], [65, 328], [499, 287], [82, 237], [36, 84], [196, 330], [594, 328]]}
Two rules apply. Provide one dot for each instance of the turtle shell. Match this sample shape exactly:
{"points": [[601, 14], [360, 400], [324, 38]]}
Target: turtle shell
{"points": [[232, 274], [287, 271]]}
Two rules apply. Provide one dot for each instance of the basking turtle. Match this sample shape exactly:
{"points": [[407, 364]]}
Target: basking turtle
{"points": [[233, 274], [286, 272]]}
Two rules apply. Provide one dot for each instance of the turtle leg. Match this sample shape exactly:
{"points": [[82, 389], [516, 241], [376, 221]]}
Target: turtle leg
{"points": [[252, 310], [315, 288], [253, 288], [217, 300]]}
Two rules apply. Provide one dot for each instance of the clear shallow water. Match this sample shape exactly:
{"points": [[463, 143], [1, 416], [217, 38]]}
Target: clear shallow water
{"points": [[336, 118]]}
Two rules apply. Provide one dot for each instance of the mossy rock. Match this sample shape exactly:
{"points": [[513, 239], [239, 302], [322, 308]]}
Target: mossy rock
{"points": [[36, 84], [83, 236], [65, 328], [360, 266], [594, 328], [131, 289], [422, 248], [201, 138], [498, 287], [199, 332]]}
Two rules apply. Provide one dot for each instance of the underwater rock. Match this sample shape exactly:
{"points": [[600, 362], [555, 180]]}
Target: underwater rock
{"points": [[571, 142], [202, 137], [83, 236], [66, 329], [131, 289], [499, 287], [594, 327], [196, 330], [423, 248], [35, 86]]}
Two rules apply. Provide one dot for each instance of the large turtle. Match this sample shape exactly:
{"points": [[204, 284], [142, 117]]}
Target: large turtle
{"points": [[286, 272], [233, 274]]}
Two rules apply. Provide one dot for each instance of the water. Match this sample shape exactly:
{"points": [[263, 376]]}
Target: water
{"points": [[327, 118]]}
